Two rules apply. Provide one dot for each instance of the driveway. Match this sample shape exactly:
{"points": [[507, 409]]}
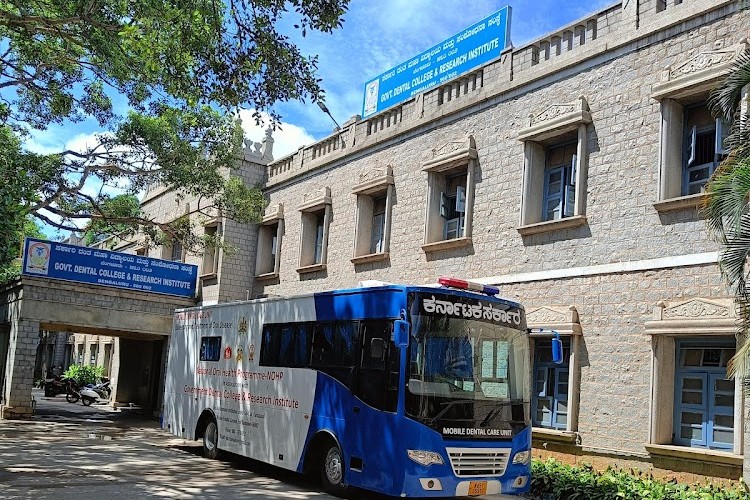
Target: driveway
{"points": [[73, 452]]}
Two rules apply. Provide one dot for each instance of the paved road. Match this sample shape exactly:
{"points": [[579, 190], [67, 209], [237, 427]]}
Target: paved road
{"points": [[73, 452]]}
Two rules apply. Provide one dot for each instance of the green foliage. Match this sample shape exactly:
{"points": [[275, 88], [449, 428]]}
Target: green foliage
{"points": [[551, 479], [184, 67], [84, 374], [726, 209]]}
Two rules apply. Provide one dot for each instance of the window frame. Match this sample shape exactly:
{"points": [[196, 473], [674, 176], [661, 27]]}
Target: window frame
{"points": [[455, 159], [211, 253], [558, 125], [564, 320], [315, 213], [707, 374], [375, 184], [557, 371], [271, 228], [695, 319], [176, 245], [683, 84]]}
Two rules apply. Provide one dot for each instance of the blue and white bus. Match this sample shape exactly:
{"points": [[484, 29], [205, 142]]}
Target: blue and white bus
{"points": [[403, 390]]}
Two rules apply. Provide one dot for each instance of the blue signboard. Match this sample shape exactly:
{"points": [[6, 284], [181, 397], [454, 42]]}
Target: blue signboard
{"points": [[473, 47], [102, 267]]}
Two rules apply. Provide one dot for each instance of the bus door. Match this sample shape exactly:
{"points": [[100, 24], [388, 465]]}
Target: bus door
{"points": [[376, 396]]}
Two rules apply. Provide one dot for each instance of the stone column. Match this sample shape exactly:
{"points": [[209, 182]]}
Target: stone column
{"points": [[19, 371]]}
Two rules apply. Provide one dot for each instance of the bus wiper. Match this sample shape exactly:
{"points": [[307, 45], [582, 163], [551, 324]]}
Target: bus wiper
{"points": [[448, 405], [494, 412]]}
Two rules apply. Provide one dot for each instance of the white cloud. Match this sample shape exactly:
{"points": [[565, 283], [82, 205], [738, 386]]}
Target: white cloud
{"points": [[287, 138]]}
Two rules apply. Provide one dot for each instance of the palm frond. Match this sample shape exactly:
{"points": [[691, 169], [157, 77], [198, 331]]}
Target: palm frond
{"points": [[727, 196], [739, 365], [724, 99]]}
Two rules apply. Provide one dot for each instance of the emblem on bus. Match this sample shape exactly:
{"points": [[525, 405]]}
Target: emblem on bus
{"points": [[251, 352], [228, 353], [240, 355], [242, 328]]}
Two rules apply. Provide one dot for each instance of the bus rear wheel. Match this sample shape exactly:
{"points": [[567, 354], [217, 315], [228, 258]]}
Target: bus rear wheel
{"points": [[332, 470], [211, 441]]}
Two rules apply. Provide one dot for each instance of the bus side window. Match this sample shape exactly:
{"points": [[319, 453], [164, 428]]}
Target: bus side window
{"points": [[334, 348], [295, 342], [269, 347], [286, 345]]}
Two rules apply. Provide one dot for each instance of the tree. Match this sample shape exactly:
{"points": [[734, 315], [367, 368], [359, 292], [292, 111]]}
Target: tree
{"points": [[182, 66], [727, 206]]}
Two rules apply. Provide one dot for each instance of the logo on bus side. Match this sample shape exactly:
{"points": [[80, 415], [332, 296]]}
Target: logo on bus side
{"points": [[242, 328], [476, 311], [228, 353]]}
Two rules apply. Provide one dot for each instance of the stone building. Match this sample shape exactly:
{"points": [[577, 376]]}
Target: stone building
{"points": [[133, 362], [569, 172]]}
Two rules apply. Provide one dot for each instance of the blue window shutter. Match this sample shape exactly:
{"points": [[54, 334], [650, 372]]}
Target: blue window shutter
{"points": [[460, 199], [443, 205]]}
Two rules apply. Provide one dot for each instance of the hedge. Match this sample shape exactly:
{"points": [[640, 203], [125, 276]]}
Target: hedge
{"points": [[552, 480]]}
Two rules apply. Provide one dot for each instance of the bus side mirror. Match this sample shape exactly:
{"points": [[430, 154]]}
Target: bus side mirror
{"points": [[401, 333], [557, 349]]}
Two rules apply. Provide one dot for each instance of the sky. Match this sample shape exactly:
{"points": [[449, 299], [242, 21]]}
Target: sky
{"points": [[376, 36]]}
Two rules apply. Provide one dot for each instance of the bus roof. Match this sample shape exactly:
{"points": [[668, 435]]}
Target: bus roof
{"points": [[367, 289]]}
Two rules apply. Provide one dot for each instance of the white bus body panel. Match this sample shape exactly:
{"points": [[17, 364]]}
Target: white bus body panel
{"points": [[262, 413]]}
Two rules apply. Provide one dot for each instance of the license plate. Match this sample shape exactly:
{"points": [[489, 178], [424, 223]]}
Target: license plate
{"points": [[477, 488]]}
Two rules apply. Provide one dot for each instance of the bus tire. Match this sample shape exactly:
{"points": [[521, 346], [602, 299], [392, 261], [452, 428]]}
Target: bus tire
{"points": [[211, 440], [332, 469]]}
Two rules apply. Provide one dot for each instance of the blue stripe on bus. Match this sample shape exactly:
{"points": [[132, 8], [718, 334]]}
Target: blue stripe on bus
{"points": [[360, 303]]}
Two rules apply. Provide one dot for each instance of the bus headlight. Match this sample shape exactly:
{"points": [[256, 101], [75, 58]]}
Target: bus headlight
{"points": [[522, 457], [425, 457]]}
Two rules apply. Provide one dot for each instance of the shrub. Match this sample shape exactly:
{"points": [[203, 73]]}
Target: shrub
{"points": [[551, 479], [84, 374]]}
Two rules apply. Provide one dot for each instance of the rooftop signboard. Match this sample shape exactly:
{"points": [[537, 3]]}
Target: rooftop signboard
{"points": [[473, 47], [61, 261]]}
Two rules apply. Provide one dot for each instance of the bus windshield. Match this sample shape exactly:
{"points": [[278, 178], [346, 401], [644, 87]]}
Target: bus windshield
{"points": [[466, 357]]}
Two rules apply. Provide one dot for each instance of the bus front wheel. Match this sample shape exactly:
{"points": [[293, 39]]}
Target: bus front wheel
{"points": [[332, 470], [211, 441]]}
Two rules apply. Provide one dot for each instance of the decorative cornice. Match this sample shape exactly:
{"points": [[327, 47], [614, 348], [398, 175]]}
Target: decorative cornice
{"points": [[699, 71], [697, 308], [696, 316], [274, 214], [374, 180], [551, 112], [451, 154], [556, 119], [563, 320], [315, 200]]}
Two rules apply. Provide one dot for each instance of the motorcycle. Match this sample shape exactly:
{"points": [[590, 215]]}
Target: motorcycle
{"points": [[54, 386], [95, 392]]}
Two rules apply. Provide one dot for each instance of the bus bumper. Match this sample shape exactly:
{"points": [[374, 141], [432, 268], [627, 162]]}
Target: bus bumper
{"points": [[510, 485]]}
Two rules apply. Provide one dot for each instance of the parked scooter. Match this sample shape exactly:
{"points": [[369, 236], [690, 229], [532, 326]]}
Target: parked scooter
{"points": [[95, 392], [74, 392]]}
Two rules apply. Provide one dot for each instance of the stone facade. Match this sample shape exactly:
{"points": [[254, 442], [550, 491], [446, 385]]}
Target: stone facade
{"points": [[628, 245]]}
